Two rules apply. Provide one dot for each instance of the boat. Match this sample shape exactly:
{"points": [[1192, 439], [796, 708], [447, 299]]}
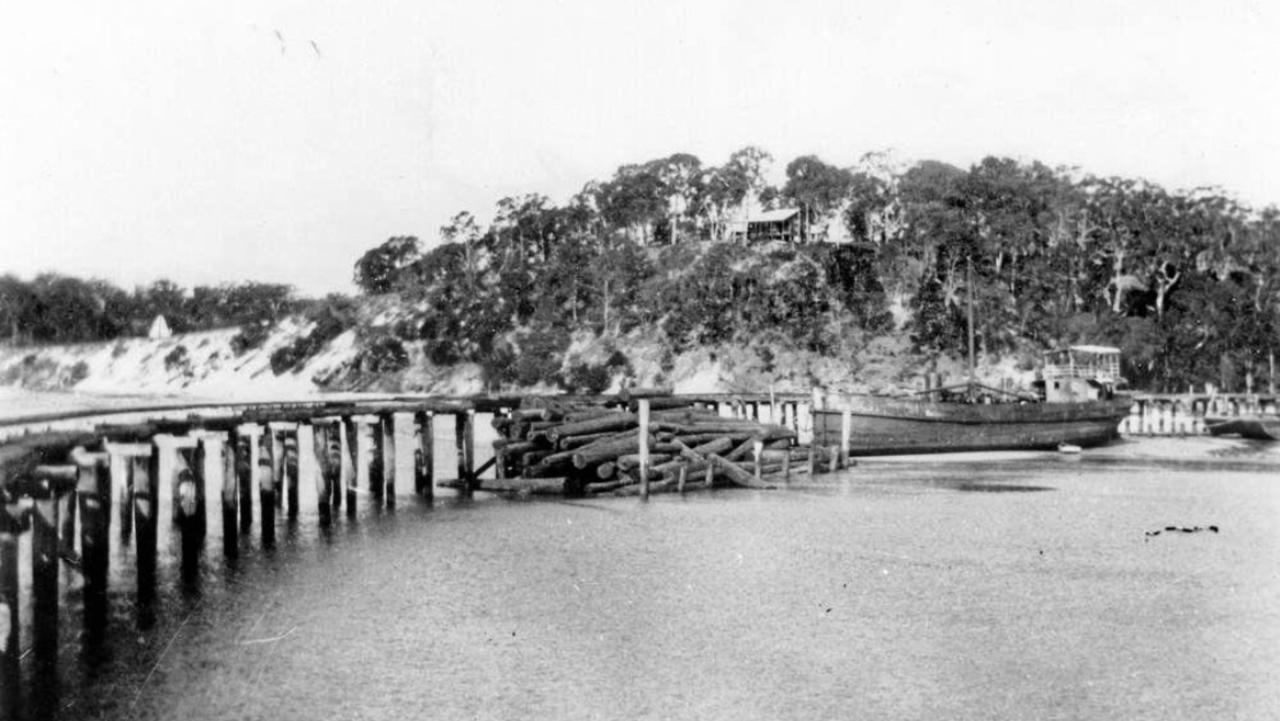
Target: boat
{"points": [[1076, 402], [1257, 427]]}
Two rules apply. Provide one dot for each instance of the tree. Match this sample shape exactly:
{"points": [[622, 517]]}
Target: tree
{"points": [[377, 271], [818, 188]]}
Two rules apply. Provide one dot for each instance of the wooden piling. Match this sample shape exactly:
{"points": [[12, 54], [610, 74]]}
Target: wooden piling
{"points": [[347, 438], [424, 461], [267, 485], [464, 442], [846, 433], [67, 506], [323, 475], [246, 453], [146, 492], [388, 430], [190, 482], [290, 441], [10, 653], [44, 592], [374, 458], [230, 497], [644, 447], [94, 492], [124, 474], [277, 464]]}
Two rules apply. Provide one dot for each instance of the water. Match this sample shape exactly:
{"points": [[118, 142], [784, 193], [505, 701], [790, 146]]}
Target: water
{"points": [[997, 586]]}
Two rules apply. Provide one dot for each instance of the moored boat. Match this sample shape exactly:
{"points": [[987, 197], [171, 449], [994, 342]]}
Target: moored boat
{"points": [[1257, 427], [1076, 404]]}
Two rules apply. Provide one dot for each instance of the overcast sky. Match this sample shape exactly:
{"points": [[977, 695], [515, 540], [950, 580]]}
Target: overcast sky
{"points": [[277, 141]]}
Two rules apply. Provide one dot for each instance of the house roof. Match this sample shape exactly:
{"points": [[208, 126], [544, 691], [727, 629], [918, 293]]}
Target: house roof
{"points": [[773, 216]]}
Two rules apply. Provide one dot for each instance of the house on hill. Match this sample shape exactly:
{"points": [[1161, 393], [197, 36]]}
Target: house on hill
{"points": [[783, 224]]}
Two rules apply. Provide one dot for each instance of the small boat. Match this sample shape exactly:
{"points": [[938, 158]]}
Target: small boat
{"points": [[1257, 427]]}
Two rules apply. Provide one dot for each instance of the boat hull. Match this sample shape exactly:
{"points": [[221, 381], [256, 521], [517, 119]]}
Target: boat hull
{"points": [[882, 426], [1255, 427]]}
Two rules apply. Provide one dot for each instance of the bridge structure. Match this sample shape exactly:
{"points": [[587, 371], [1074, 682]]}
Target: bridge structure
{"points": [[74, 483]]}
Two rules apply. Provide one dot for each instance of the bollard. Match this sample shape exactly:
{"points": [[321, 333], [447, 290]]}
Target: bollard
{"points": [[424, 465], [644, 448]]}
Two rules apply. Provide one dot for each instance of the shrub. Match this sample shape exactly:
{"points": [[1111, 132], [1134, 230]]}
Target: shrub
{"points": [[79, 372], [385, 354], [177, 360], [251, 335], [588, 379]]}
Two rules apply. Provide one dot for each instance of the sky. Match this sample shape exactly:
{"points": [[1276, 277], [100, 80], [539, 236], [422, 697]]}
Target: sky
{"points": [[277, 141]]}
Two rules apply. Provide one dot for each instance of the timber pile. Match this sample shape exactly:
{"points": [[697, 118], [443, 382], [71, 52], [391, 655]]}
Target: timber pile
{"points": [[574, 448]]}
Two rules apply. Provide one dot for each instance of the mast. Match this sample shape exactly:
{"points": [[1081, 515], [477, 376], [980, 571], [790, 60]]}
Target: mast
{"points": [[968, 285]]}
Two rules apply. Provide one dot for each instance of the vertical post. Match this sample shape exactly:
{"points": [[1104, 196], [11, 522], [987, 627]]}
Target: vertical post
{"points": [[230, 496], [94, 491], [711, 475], [813, 461], [786, 468], [124, 472], [267, 484], [289, 442], [323, 475], [277, 463], [835, 458], [44, 591], [246, 450], [375, 459], [67, 522], [463, 441], [190, 481], [388, 430], [347, 433], [757, 450], [680, 477], [424, 466], [10, 653], [146, 492], [846, 432], [644, 448]]}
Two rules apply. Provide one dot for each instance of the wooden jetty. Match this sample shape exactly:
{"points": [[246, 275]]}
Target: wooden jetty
{"points": [[69, 481]]}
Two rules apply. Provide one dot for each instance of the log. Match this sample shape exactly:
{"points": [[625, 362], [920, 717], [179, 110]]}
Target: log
{"points": [[606, 486], [694, 439], [606, 470], [611, 422], [630, 461], [605, 450], [569, 442], [736, 473]]}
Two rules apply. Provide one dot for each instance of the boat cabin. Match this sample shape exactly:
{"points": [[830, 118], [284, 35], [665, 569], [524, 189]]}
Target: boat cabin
{"points": [[1081, 373]]}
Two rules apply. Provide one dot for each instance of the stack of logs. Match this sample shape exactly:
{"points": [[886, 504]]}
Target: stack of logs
{"points": [[576, 449]]}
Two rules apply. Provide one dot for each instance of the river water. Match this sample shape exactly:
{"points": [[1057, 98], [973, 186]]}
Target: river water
{"points": [[967, 586]]}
